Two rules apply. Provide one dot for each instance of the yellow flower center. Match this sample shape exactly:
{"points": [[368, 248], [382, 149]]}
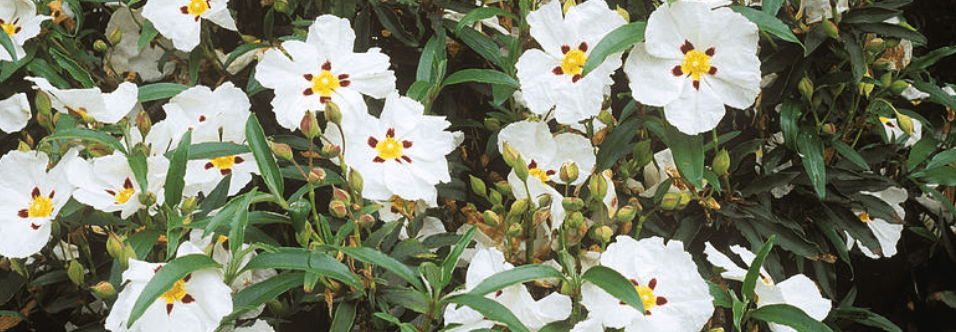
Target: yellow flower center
{"points": [[695, 63], [324, 83], [197, 7], [9, 28], [539, 173], [223, 162], [40, 207], [864, 217], [390, 148], [647, 296], [573, 62], [124, 195], [175, 294]]}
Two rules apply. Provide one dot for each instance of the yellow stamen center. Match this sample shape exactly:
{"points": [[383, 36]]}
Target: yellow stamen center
{"points": [[197, 7], [647, 296], [324, 83], [864, 217], [124, 195], [176, 293], [539, 173], [223, 162], [695, 63], [573, 62], [9, 28], [40, 207], [390, 148]]}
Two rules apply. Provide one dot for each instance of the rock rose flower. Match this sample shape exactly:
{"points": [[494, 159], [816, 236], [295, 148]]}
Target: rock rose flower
{"points": [[126, 56], [674, 295], [19, 20], [532, 314], [108, 184], [693, 61], [894, 132], [798, 291], [91, 103], [551, 77], [179, 20], [196, 303], [322, 69], [30, 197], [888, 234]]}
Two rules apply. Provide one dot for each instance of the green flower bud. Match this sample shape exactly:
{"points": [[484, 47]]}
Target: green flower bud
{"points": [[304, 235], [503, 187], [685, 198], [281, 150], [366, 220], [127, 254], [898, 86], [42, 101], [147, 198], [521, 169], [721, 162], [670, 201], [478, 186], [626, 213], [100, 46], [116, 36], [642, 153], [492, 124], [602, 234], [356, 183], [575, 220], [75, 272], [330, 151], [514, 230], [605, 117], [887, 79], [598, 187], [339, 194], [281, 6], [510, 155], [806, 88], [104, 290], [710, 203], [831, 29], [491, 218], [572, 204], [829, 128], [338, 209], [114, 246], [519, 207], [495, 198], [332, 113], [876, 45], [188, 205], [568, 172], [309, 125], [906, 123], [544, 200], [299, 213]]}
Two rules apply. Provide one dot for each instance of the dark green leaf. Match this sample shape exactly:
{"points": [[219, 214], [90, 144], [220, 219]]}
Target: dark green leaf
{"points": [[86, 135], [237, 231], [146, 35], [9, 47], [750, 281], [865, 317], [768, 23], [790, 114], [738, 310], [76, 71], [305, 260], [448, 265], [344, 317], [853, 48], [942, 159], [371, 256], [432, 55], [479, 43], [268, 167], [165, 278], [481, 76], [175, 177], [688, 153], [721, 296], [242, 49], [811, 148], [614, 42], [892, 30], [491, 309], [267, 290], [516, 275], [920, 151], [615, 284], [850, 154], [771, 6], [137, 164], [930, 58], [936, 94], [791, 316], [156, 91], [618, 143], [479, 14], [41, 68], [195, 59], [945, 175]]}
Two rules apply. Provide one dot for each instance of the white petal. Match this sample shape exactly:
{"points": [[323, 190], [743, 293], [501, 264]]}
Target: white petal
{"points": [[368, 73], [801, 292], [695, 111], [331, 35], [219, 13], [548, 28], [14, 113], [576, 148], [592, 20], [717, 258], [531, 139], [166, 16]]}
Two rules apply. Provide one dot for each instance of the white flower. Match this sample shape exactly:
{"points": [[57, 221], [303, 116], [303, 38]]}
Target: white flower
{"points": [[65, 252], [19, 20], [693, 61], [532, 314], [126, 56], [894, 132], [179, 20], [14, 113], [221, 254], [913, 94], [798, 291], [103, 107], [258, 326], [430, 226], [30, 197], [674, 295], [818, 10], [888, 234], [550, 77], [491, 22], [665, 168], [321, 69], [108, 184], [545, 154], [196, 303], [402, 153]]}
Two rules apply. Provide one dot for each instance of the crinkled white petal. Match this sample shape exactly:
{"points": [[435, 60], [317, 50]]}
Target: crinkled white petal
{"points": [[14, 113]]}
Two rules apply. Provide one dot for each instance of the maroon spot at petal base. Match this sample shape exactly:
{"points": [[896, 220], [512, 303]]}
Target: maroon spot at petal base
{"points": [[583, 47], [127, 184], [324, 100], [390, 132], [307, 77], [307, 92], [498, 293], [565, 49], [533, 164], [188, 276], [208, 165], [225, 172], [34, 226], [550, 172], [112, 193], [653, 283], [23, 213], [202, 118], [710, 51], [406, 144], [35, 193], [345, 84], [406, 158], [169, 308], [378, 159], [677, 71], [696, 85], [327, 65], [184, 10], [575, 78], [712, 71], [557, 71], [343, 76], [661, 300], [687, 47], [188, 299], [372, 142], [238, 160]]}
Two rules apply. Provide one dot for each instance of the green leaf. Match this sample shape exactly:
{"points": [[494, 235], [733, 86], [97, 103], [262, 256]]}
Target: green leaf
{"points": [[479, 14], [810, 147], [920, 151], [448, 265], [936, 94], [242, 49], [86, 135], [618, 143], [491, 309], [857, 61], [76, 71], [266, 290], [137, 164], [688, 153], [371, 256], [165, 278], [479, 43], [769, 23], [892, 30], [614, 42], [721, 297], [865, 317], [344, 317], [237, 231], [750, 281], [9, 47], [146, 35], [738, 310], [869, 15], [942, 159], [945, 175], [405, 327], [175, 177], [432, 55], [268, 167], [771, 6], [305, 260], [481, 76], [615, 284], [791, 316], [212, 150], [156, 91], [931, 58], [195, 59], [41, 68], [516, 275], [790, 114], [850, 154]]}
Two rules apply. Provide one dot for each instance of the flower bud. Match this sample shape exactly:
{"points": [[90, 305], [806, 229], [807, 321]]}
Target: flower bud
{"points": [[575, 219], [299, 213], [23, 147], [514, 230], [75, 272], [100, 46], [366, 220], [599, 136], [492, 124], [721, 162], [519, 207], [281, 150], [898, 86], [339, 194], [626, 213], [304, 235], [710, 203], [670, 201], [503, 187], [103, 290], [887, 79], [116, 36], [188, 205], [330, 151], [281, 6], [115, 246], [568, 172], [356, 183], [147, 198], [598, 187], [521, 169], [906, 123], [572, 204], [317, 176], [602, 234], [829, 128], [605, 117], [143, 122], [510, 155], [478, 186], [495, 197], [876, 45], [831, 29], [309, 125], [544, 200], [685, 198], [332, 113], [806, 88], [491, 218], [338, 209], [42, 101]]}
